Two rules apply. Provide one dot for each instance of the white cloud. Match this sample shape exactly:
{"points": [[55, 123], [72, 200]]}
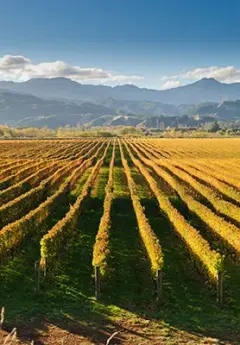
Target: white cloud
{"points": [[171, 84], [20, 68], [10, 62], [227, 74]]}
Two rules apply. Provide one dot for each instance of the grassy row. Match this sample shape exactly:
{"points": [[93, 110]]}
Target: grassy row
{"points": [[30, 181], [18, 173], [52, 243], [209, 261], [228, 232], [73, 150], [15, 168], [55, 152], [224, 207], [208, 177], [16, 208], [14, 233], [149, 239], [216, 176], [80, 151], [232, 167], [22, 150], [51, 150], [91, 153], [6, 164], [101, 246], [69, 150]]}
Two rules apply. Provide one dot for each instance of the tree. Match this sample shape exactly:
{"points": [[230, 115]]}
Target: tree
{"points": [[214, 127]]}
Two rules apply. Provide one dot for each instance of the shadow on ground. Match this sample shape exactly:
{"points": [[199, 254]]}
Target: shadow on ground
{"points": [[128, 304]]}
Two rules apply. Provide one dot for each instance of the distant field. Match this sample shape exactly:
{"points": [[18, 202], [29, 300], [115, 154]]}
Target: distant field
{"points": [[157, 221]]}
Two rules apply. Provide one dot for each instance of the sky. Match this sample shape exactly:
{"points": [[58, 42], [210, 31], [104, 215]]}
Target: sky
{"points": [[151, 43]]}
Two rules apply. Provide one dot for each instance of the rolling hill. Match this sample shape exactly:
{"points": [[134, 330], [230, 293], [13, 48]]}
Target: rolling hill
{"points": [[24, 110]]}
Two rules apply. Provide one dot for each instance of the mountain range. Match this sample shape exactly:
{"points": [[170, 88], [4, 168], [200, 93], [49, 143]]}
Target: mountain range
{"points": [[60, 101], [204, 90]]}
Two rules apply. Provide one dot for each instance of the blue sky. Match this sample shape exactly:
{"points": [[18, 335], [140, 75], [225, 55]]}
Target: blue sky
{"points": [[151, 43]]}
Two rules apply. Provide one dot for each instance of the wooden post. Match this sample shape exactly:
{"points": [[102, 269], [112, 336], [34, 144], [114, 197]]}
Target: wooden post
{"points": [[45, 269], [159, 285], [37, 277], [220, 288], [2, 317], [97, 283]]}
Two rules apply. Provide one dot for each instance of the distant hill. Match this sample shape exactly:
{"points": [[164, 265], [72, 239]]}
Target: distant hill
{"points": [[22, 110], [175, 121], [142, 108], [19, 109], [227, 110], [204, 90]]}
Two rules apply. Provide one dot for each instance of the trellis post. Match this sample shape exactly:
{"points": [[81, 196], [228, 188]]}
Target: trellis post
{"points": [[37, 277], [220, 288], [159, 286], [97, 283]]}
